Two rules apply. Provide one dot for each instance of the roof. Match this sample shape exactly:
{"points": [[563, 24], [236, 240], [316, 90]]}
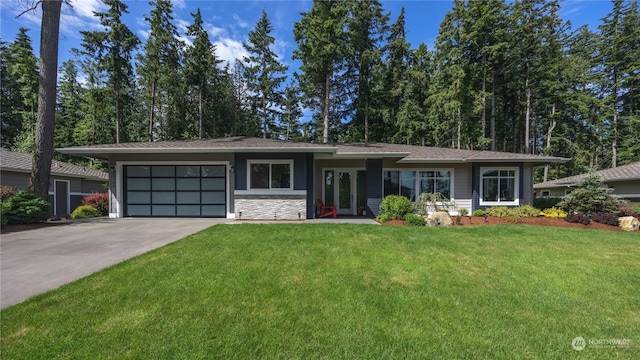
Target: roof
{"points": [[20, 162], [404, 153], [619, 173]]}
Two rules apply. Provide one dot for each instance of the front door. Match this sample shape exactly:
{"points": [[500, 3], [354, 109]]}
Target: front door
{"points": [[61, 197], [345, 188]]}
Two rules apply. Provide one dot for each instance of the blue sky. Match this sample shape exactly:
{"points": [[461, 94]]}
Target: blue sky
{"points": [[229, 22]]}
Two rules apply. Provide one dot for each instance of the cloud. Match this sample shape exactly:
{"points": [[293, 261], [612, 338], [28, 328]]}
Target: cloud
{"points": [[239, 21], [229, 50]]}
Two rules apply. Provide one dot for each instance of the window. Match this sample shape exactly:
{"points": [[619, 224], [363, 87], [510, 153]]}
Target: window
{"points": [[272, 174], [499, 185], [400, 183], [411, 183], [438, 181], [545, 193]]}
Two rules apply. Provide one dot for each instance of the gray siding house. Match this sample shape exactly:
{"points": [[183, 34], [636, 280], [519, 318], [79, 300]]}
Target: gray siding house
{"points": [[625, 181], [255, 178], [67, 186]]}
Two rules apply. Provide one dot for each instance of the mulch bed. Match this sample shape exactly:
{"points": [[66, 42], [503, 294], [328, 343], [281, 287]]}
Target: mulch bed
{"points": [[540, 221]]}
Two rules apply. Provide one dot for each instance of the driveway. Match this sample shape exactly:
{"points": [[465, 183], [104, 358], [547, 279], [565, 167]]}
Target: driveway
{"points": [[35, 261]]}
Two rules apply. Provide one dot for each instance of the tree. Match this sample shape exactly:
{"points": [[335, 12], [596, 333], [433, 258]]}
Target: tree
{"points": [[112, 50], [265, 74], [70, 106], [390, 85], [43, 149], [591, 196], [200, 69], [20, 93], [160, 71], [367, 27], [322, 48]]}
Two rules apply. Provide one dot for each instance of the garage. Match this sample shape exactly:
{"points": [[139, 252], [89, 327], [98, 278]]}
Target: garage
{"points": [[175, 190]]}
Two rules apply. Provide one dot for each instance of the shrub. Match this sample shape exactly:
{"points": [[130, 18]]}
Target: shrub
{"points": [[526, 211], [85, 211], [578, 218], [590, 197], [414, 220], [396, 207], [463, 211], [628, 212], [24, 207], [553, 212], [606, 218], [546, 202], [499, 211], [7, 191], [479, 212], [383, 218], [99, 201]]}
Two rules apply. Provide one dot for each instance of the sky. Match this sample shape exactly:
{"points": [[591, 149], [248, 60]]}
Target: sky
{"points": [[229, 22]]}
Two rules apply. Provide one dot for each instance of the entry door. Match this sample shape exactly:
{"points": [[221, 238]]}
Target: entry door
{"points": [[346, 189], [346, 198], [61, 197]]}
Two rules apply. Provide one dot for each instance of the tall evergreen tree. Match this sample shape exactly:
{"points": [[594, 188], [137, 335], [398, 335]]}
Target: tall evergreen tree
{"points": [[368, 27], [200, 72], [322, 48], [390, 86], [159, 69], [70, 106], [112, 50], [21, 90], [265, 74]]}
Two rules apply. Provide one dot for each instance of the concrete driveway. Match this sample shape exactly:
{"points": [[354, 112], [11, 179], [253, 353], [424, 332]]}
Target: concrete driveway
{"points": [[35, 261]]}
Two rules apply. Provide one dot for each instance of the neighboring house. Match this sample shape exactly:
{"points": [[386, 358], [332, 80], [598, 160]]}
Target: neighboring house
{"points": [[68, 183], [255, 178], [625, 181]]}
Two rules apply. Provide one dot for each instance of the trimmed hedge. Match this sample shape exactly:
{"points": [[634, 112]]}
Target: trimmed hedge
{"points": [[85, 211]]}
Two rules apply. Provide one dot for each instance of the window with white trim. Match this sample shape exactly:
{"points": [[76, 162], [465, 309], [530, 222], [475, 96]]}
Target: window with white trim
{"points": [[499, 186], [270, 175], [411, 183]]}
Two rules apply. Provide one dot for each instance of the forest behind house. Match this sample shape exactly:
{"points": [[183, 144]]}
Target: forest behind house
{"points": [[509, 77]]}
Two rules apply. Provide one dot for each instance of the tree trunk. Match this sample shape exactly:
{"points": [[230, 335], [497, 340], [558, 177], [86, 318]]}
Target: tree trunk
{"points": [[493, 113], [484, 105], [43, 147], [116, 91], [366, 120], [552, 125], [200, 111], [152, 109], [527, 121], [325, 131]]}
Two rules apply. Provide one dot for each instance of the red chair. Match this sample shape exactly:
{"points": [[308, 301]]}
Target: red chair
{"points": [[327, 210]]}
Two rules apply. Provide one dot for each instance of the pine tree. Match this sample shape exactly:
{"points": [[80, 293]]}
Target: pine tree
{"points": [[22, 92], [112, 50], [367, 29], [390, 86], [200, 73], [265, 74], [322, 48], [70, 107], [160, 71]]}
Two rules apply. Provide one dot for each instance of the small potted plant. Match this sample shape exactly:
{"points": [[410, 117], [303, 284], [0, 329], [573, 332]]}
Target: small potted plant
{"points": [[360, 210]]}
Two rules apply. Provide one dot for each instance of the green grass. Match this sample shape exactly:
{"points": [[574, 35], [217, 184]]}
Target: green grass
{"points": [[346, 291]]}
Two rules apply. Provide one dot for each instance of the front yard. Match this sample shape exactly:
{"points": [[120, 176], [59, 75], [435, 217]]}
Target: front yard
{"points": [[348, 291]]}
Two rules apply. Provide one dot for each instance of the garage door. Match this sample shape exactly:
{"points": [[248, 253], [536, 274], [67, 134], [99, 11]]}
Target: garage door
{"points": [[175, 190]]}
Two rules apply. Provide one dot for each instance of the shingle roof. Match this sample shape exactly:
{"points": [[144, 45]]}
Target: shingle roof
{"points": [[19, 162], [405, 153], [620, 173]]}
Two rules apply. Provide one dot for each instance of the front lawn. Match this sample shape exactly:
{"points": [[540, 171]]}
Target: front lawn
{"points": [[331, 291]]}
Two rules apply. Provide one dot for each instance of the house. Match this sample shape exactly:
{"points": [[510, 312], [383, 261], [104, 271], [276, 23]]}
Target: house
{"points": [[68, 183], [255, 178], [625, 181]]}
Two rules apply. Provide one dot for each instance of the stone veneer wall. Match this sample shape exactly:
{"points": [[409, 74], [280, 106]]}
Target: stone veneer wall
{"points": [[270, 207]]}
